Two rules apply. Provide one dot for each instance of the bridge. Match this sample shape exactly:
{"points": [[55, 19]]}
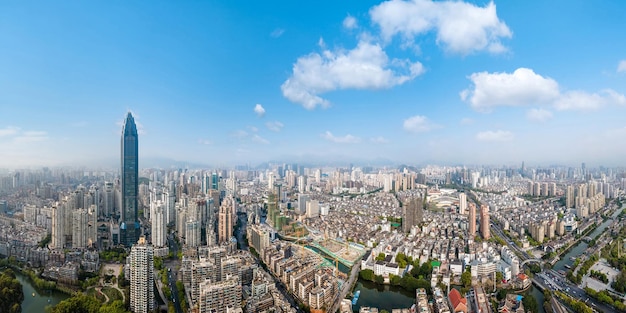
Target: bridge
{"points": [[531, 260]]}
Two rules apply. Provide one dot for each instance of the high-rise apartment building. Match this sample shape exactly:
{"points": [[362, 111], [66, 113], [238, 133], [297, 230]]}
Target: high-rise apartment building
{"points": [[220, 297], [129, 226], [158, 224], [569, 197], [484, 222], [57, 238], [411, 214], [226, 219], [462, 203], [472, 220], [141, 266]]}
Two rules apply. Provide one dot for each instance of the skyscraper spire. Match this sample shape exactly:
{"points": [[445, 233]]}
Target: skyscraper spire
{"points": [[129, 226]]}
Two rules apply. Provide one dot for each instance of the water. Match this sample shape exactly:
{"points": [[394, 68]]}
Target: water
{"points": [[39, 302], [538, 294], [582, 246], [382, 297]]}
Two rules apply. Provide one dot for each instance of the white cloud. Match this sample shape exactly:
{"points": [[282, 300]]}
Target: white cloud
{"points": [[583, 101], [9, 131], [350, 22], [539, 115], [460, 27], [522, 87], [205, 142], [274, 126], [621, 67], [277, 32], [259, 110], [342, 139], [498, 135], [379, 140], [31, 136], [525, 87], [418, 124], [253, 129], [258, 139], [366, 66]]}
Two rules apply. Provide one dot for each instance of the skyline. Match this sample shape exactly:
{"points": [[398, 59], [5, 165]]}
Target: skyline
{"points": [[406, 81]]}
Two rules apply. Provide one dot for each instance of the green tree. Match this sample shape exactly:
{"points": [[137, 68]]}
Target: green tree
{"points": [[530, 303], [11, 294], [466, 279], [367, 274], [380, 257]]}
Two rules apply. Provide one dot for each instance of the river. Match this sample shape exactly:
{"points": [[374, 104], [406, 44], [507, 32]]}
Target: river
{"points": [[582, 246], [42, 299]]}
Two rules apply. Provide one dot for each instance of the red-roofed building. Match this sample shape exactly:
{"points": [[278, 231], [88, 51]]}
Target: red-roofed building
{"points": [[524, 279], [459, 303]]}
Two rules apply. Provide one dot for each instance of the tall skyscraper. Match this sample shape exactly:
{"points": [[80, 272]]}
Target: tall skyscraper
{"points": [[484, 222], [159, 227], [472, 220], [141, 265], [129, 226], [411, 214], [226, 218]]}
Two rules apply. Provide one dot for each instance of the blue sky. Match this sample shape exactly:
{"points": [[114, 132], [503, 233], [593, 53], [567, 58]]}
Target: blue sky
{"points": [[408, 81]]}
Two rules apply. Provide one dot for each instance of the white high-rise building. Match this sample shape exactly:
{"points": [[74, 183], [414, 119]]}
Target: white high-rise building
{"points": [[462, 203], [220, 297], [57, 239], [79, 231], [158, 224], [141, 266]]}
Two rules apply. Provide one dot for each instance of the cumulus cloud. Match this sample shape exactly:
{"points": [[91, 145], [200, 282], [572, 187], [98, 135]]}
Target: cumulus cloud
{"points": [[621, 66], [460, 27], [367, 66], [418, 124], [522, 87], [539, 115], [340, 139], [379, 140], [274, 126], [277, 32], [498, 136], [259, 110], [525, 87], [349, 22]]}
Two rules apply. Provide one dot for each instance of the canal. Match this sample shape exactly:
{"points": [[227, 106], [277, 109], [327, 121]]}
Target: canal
{"points": [[41, 299], [582, 246]]}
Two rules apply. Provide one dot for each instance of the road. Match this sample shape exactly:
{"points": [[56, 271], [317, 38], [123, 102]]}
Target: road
{"points": [[555, 278], [346, 287], [172, 275]]}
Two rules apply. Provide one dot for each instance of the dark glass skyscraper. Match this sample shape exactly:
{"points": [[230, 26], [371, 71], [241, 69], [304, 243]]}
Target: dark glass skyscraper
{"points": [[129, 226]]}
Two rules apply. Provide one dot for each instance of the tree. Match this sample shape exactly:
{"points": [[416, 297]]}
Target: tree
{"points": [[466, 278], [379, 279], [11, 294], [530, 303], [367, 274], [499, 276], [380, 257]]}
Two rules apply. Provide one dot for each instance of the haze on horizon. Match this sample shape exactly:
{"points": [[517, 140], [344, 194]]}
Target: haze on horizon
{"points": [[222, 84]]}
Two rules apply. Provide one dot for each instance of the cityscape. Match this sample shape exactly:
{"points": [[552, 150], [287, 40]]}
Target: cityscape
{"points": [[133, 179]]}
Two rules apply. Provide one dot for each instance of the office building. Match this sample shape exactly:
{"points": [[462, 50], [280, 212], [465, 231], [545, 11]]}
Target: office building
{"points": [[129, 226], [141, 267]]}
